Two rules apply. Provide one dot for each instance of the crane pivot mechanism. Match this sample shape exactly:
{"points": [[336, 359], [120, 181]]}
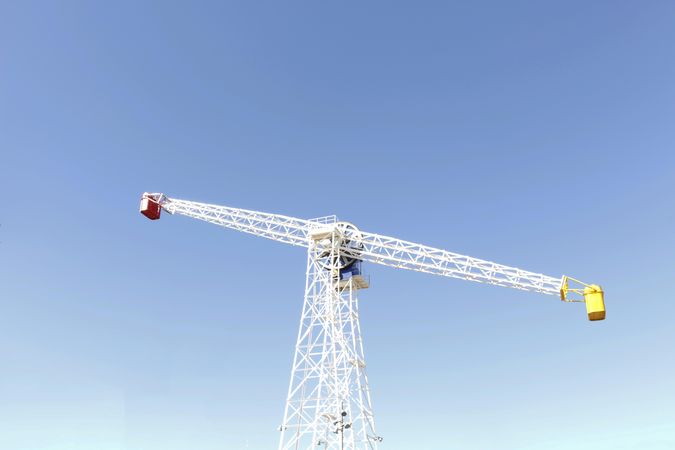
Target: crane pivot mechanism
{"points": [[328, 401]]}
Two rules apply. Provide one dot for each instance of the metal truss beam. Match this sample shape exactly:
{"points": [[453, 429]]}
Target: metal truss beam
{"points": [[375, 248]]}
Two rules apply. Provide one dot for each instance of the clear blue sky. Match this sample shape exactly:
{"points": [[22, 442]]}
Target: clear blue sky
{"points": [[535, 134]]}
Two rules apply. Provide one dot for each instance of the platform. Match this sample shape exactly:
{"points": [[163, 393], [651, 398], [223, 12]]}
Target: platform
{"points": [[360, 282]]}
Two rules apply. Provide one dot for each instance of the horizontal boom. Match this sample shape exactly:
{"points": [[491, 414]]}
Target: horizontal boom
{"points": [[379, 249]]}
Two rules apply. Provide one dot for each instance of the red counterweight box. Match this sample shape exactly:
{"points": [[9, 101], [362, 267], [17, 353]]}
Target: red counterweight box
{"points": [[150, 208]]}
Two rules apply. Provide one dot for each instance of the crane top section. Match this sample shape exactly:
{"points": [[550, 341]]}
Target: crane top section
{"points": [[356, 245]]}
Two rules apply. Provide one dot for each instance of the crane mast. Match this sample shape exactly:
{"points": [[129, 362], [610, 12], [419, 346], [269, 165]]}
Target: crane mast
{"points": [[328, 402]]}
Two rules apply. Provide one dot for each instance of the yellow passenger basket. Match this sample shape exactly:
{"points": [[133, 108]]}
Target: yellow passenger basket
{"points": [[593, 296]]}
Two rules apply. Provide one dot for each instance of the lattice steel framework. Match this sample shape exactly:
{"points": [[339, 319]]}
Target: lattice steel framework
{"points": [[329, 402], [377, 249]]}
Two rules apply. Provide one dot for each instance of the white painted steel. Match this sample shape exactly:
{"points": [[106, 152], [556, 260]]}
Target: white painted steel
{"points": [[328, 377], [376, 248]]}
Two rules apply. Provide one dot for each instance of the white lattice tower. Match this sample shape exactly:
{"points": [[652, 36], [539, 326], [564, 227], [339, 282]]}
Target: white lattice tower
{"points": [[328, 404]]}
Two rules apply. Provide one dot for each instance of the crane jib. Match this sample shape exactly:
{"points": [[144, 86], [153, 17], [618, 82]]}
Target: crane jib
{"points": [[361, 246]]}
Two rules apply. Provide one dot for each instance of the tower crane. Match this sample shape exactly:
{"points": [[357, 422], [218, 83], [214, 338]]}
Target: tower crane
{"points": [[329, 401]]}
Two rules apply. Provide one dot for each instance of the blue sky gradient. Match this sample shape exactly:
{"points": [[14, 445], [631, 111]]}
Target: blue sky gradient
{"points": [[534, 134]]}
